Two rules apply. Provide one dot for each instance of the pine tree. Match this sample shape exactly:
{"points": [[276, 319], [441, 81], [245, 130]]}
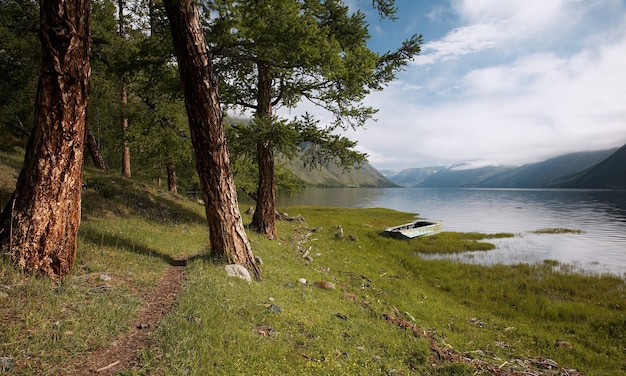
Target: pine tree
{"points": [[38, 226], [280, 52], [227, 234]]}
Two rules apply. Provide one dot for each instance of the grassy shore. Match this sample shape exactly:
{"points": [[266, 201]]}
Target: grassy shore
{"points": [[369, 304]]}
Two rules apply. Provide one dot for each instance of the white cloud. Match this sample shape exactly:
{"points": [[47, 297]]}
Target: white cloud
{"points": [[513, 83], [532, 108], [490, 24]]}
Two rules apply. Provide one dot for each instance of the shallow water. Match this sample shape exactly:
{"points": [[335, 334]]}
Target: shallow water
{"points": [[599, 214]]}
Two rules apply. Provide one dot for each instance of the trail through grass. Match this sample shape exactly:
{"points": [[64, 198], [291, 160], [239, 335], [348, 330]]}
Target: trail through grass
{"points": [[390, 311]]}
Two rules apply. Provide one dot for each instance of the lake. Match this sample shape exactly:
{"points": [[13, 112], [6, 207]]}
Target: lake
{"points": [[599, 214]]}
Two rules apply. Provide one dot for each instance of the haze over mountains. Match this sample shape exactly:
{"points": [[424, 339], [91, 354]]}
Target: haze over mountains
{"points": [[605, 169]]}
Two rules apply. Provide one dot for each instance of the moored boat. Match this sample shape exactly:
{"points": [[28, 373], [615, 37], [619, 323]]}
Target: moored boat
{"points": [[414, 229]]}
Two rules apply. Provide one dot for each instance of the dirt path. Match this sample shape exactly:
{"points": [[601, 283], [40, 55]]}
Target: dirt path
{"points": [[122, 354]]}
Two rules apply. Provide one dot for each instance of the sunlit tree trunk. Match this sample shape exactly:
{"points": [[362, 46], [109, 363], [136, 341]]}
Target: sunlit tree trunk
{"points": [[124, 102], [125, 147], [40, 222], [264, 218], [171, 177], [227, 235], [94, 150]]}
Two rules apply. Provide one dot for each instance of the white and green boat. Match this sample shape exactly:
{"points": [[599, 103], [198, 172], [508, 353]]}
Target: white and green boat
{"points": [[414, 229]]}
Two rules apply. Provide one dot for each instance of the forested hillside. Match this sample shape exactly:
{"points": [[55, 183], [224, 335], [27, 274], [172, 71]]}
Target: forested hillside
{"points": [[593, 169], [334, 176], [608, 174]]}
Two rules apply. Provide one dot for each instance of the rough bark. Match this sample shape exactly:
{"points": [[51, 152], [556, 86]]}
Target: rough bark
{"points": [[124, 100], [264, 218], [94, 150], [227, 234], [40, 222], [125, 147], [171, 177]]}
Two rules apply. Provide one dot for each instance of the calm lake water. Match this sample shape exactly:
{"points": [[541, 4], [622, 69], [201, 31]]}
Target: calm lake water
{"points": [[599, 214]]}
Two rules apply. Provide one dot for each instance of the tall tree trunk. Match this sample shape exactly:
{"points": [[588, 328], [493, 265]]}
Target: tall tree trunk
{"points": [[171, 177], [264, 218], [94, 150], [227, 234], [125, 147], [40, 222], [124, 101]]}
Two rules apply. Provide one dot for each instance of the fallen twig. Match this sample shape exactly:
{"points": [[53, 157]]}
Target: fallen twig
{"points": [[108, 367]]}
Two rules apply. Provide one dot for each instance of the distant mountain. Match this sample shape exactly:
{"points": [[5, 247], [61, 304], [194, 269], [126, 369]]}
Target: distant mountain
{"points": [[610, 173], [388, 173], [462, 178], [535, 175], [333, 176], [541, 174], [413, 177]]}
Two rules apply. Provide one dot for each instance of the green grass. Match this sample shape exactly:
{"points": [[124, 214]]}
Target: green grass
{"points": [[556, 231], [132, 237], [495, 314], [131, 232]]}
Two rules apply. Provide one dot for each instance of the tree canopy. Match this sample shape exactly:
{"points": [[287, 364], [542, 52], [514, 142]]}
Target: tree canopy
{"points": [[272, 53]]}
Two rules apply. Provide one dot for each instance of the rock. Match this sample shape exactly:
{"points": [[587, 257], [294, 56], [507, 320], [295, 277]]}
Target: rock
{"points": [[105, 278], [192, 318], [325, 285], [100, 289], [258, 260], [274, 308], [264, 330], [236, 270], [7, 363], [339, 233], [302, 280], [250, 211]]}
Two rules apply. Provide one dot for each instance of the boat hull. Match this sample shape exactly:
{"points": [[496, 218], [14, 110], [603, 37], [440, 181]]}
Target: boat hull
{"points": [[414, 229]]}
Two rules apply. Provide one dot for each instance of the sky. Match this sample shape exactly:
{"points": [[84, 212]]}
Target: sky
{"points": [[500, 82]]}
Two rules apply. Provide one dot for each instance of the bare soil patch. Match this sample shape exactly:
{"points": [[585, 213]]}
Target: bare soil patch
{"points": [[123, 353]]}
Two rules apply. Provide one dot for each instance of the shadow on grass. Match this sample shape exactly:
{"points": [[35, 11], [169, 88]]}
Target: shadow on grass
{"points": [[121, 197], [102, 239]]}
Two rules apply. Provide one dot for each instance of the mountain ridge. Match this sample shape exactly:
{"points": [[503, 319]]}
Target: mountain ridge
{"points": [[587, 169]]}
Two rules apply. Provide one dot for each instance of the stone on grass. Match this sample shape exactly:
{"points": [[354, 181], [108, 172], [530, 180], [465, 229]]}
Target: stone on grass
{"points": [[7, 363], [236, 270], [302, 280]]}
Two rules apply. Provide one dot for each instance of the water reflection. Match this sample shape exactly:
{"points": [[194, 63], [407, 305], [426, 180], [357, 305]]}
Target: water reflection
{"points": [[600, 215]]}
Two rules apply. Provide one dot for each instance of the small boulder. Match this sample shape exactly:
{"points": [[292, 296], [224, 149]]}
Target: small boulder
{"points": [[236, 270], [274, 308], [7, 363]]}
